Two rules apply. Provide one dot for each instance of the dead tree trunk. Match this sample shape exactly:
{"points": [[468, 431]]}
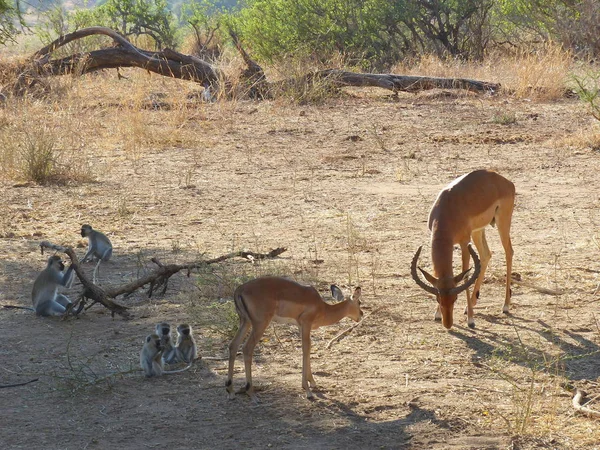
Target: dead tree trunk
{"points": [[170, 63], [167, 62]]}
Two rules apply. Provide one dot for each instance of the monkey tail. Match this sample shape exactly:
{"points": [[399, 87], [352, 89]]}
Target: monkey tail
{"points": [[168, 372], [28, 308]]}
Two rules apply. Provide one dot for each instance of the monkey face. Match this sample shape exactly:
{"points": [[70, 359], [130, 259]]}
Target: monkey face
{"points": [[184, 329], [165, 330], [85, 230]]}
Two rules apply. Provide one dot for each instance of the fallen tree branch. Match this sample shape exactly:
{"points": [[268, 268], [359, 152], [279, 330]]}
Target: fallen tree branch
{"points": [[404, 83], [352, 327], [170, 63], [90, 290], [541, 289], [577, 398], [157, 278]]}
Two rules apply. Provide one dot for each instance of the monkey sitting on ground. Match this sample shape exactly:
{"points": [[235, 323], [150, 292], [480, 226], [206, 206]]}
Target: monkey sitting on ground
{"points": [[186, 345], [169, 355], [150, 357], [99, 245], [44, 295]]}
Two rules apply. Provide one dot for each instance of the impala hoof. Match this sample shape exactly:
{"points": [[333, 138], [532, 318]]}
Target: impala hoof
{"points": [[471, 325]]}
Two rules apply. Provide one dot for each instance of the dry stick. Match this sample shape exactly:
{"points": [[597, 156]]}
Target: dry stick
{"points": [[2, 386], [356, 325], [541, 289], [583, 409]]}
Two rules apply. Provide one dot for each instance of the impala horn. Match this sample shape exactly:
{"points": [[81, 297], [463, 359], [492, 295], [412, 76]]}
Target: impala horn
{"points": [[458, 289], [413, 270]]}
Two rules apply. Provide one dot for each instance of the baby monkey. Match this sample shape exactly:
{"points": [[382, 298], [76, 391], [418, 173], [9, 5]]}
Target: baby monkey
{"points": [[150, 357], [186, 345], [169, 355], [99, 245]]}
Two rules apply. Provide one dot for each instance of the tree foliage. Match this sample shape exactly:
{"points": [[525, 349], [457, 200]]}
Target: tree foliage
{"points": [[9, 15], [129, 17], [376, 31]]}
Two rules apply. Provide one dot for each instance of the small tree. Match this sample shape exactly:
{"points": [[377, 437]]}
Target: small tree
{"points": [[204, 17], [139, 17]]}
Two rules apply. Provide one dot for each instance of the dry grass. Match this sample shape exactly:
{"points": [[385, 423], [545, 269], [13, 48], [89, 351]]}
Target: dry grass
{"points": [[540, 73], [176, 173]]}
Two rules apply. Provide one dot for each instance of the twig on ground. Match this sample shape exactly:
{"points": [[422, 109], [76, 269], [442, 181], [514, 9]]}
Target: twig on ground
{"points": [[579, 395], [2, 386], [541, 289], [349, 329]]}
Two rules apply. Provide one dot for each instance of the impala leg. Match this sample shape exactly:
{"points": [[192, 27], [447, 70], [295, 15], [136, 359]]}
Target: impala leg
{"points": [[258, 330], [503, 222], [484, 255], [466, 260], [306, 371], [233, 348], [438, 314]]}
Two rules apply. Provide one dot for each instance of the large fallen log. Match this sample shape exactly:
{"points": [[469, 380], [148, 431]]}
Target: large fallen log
{"points": [[170, 63]]}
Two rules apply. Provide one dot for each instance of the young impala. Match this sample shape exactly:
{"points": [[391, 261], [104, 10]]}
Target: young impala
{"points": [[261, 300], [461, 212]]}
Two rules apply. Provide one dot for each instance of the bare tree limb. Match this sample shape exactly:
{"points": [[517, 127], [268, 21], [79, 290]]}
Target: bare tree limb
{"points": [[352, 327], [541, 289], [156, 279], [404, 83], [170, 63], [90, 290], [167, 62]]}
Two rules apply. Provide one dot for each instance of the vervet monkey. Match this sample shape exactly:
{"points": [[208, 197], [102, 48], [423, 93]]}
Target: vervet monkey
{"points": [[169, 355], [45, 297], [150, 357], [186, 345], [99, 245]]}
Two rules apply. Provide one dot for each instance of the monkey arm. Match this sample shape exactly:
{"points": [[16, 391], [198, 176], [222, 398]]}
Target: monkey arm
{"points": [[67, 279]]}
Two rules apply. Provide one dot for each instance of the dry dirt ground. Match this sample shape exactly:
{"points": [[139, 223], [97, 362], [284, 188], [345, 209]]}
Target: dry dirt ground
{"points": [[346, 186]]}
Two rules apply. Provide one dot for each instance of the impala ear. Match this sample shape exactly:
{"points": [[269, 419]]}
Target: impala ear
{"points": [[356, 295], [458, 278], [433, 280], [337, 293]]}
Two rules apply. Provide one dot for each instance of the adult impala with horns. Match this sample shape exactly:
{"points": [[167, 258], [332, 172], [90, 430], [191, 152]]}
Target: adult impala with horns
{"points": [[459, 215]]}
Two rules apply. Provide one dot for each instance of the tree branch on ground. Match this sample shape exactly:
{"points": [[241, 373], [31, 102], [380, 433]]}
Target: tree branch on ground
{"points": [[173, 64], [155, 279], [577, 399]]}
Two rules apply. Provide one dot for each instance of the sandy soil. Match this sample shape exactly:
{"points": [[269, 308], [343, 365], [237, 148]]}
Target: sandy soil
{"points": [[346, 187]]}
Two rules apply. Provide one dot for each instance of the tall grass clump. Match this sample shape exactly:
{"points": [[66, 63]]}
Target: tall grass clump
{"points": [[33, 152], [540, 73], [299, 86], [587, 86]]}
